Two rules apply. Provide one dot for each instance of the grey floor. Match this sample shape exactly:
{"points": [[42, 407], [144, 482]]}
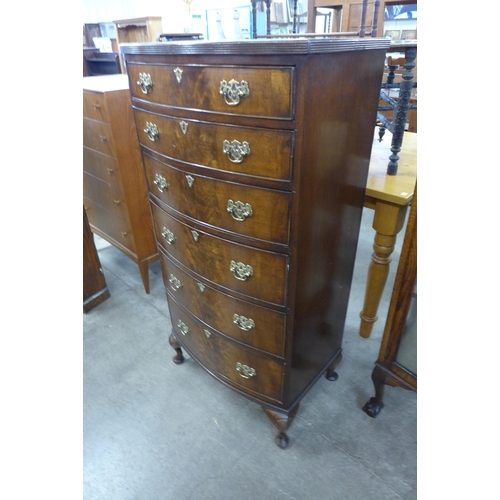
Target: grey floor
{"points": [[157, 431]]}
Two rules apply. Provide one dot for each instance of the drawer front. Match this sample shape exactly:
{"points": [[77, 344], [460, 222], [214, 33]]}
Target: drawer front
{"points": [[250, 271], [252, 151], [250, 211], [260, 375], [248, 91], [253, 325], [94, 106], [108, 196], [115, 227], [98, 136], [100, 165]]}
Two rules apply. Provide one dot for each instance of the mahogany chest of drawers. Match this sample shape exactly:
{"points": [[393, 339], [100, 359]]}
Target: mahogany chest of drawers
{"points": [[114, 189], [256, 155]]}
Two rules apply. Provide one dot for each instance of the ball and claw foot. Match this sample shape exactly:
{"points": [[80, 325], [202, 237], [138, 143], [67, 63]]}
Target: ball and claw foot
{"points": [[281, 440], [373, 407], [331, 374]]}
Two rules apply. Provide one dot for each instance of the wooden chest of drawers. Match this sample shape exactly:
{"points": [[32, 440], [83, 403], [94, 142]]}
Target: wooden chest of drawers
{"points": [[256, 156], [114, 189]]}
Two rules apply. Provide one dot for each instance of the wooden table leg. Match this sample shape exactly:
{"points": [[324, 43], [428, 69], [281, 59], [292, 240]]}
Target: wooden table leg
{"points": [[388, 221]]}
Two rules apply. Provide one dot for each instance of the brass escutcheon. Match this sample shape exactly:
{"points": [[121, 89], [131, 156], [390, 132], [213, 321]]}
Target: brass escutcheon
{"points": [[190, 180], [236, 151], [168, 235], [234, 91], [243, 323], [160, 182], [240, 271], [239, 210], [195, 234], [178, 74], [145, 82], [183, 327], [175, 283], [184, 126], [207, 333], [201, 286], [245, 371], [152, 131]]}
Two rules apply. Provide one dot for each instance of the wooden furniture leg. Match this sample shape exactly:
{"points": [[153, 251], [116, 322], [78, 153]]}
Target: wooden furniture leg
{"points": [[282, 422], [388, 221], [374, 405], [178, 358], [331, 374], [144, 270]]}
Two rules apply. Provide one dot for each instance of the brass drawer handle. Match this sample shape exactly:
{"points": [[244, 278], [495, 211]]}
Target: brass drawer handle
{"points": [[184, 126], [175, 283], [241, 271], [124, 233], [178, 74], [234, 91], [243, 323], [245, 371], [145, 82], [236, 151], [183, 327], [110, 171], [117, 202], [160, 182], [239, 211], [152, 131], [103, 138], [168, 235], [96, 106]]}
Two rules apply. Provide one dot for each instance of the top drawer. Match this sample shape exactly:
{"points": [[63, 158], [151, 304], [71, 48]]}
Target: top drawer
{"points": [[248, 91], [94, 106]]}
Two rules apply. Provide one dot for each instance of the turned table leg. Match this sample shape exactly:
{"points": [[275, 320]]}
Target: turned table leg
{"points": [[388, 221]]}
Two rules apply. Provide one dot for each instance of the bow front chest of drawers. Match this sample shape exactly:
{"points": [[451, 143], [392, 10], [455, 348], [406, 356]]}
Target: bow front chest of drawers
{"points": [[114, 189], [256, 155]]}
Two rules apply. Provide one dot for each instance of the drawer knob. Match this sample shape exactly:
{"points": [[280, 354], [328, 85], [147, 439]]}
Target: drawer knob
{"points": [[241, 271], [152, 131], [245, 371], [243, 323], [184, 126], [183, 327], [236, 151], [178, 74], [239, 211], [168, 235], [160, 182], [175, 283], [233, 91], [145, 82]]}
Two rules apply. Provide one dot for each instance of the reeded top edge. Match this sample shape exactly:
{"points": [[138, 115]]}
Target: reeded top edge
{"points": [[257, 47]]}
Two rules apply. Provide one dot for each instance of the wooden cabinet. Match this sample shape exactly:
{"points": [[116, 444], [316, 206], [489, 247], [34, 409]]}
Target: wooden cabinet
{"points": [[139, 29], [114, 189], [256, 155], [95, 288], [397, 361]]}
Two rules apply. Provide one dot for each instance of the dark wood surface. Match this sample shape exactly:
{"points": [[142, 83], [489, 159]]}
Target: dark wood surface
{"points": [[95, 288], [114, 187], [315, 156]]}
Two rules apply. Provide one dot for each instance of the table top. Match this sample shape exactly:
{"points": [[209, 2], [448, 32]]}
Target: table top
{"points": [[397, 188]]}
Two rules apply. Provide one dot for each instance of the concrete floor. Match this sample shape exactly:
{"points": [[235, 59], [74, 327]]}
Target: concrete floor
{"points": [[157, 431]]}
